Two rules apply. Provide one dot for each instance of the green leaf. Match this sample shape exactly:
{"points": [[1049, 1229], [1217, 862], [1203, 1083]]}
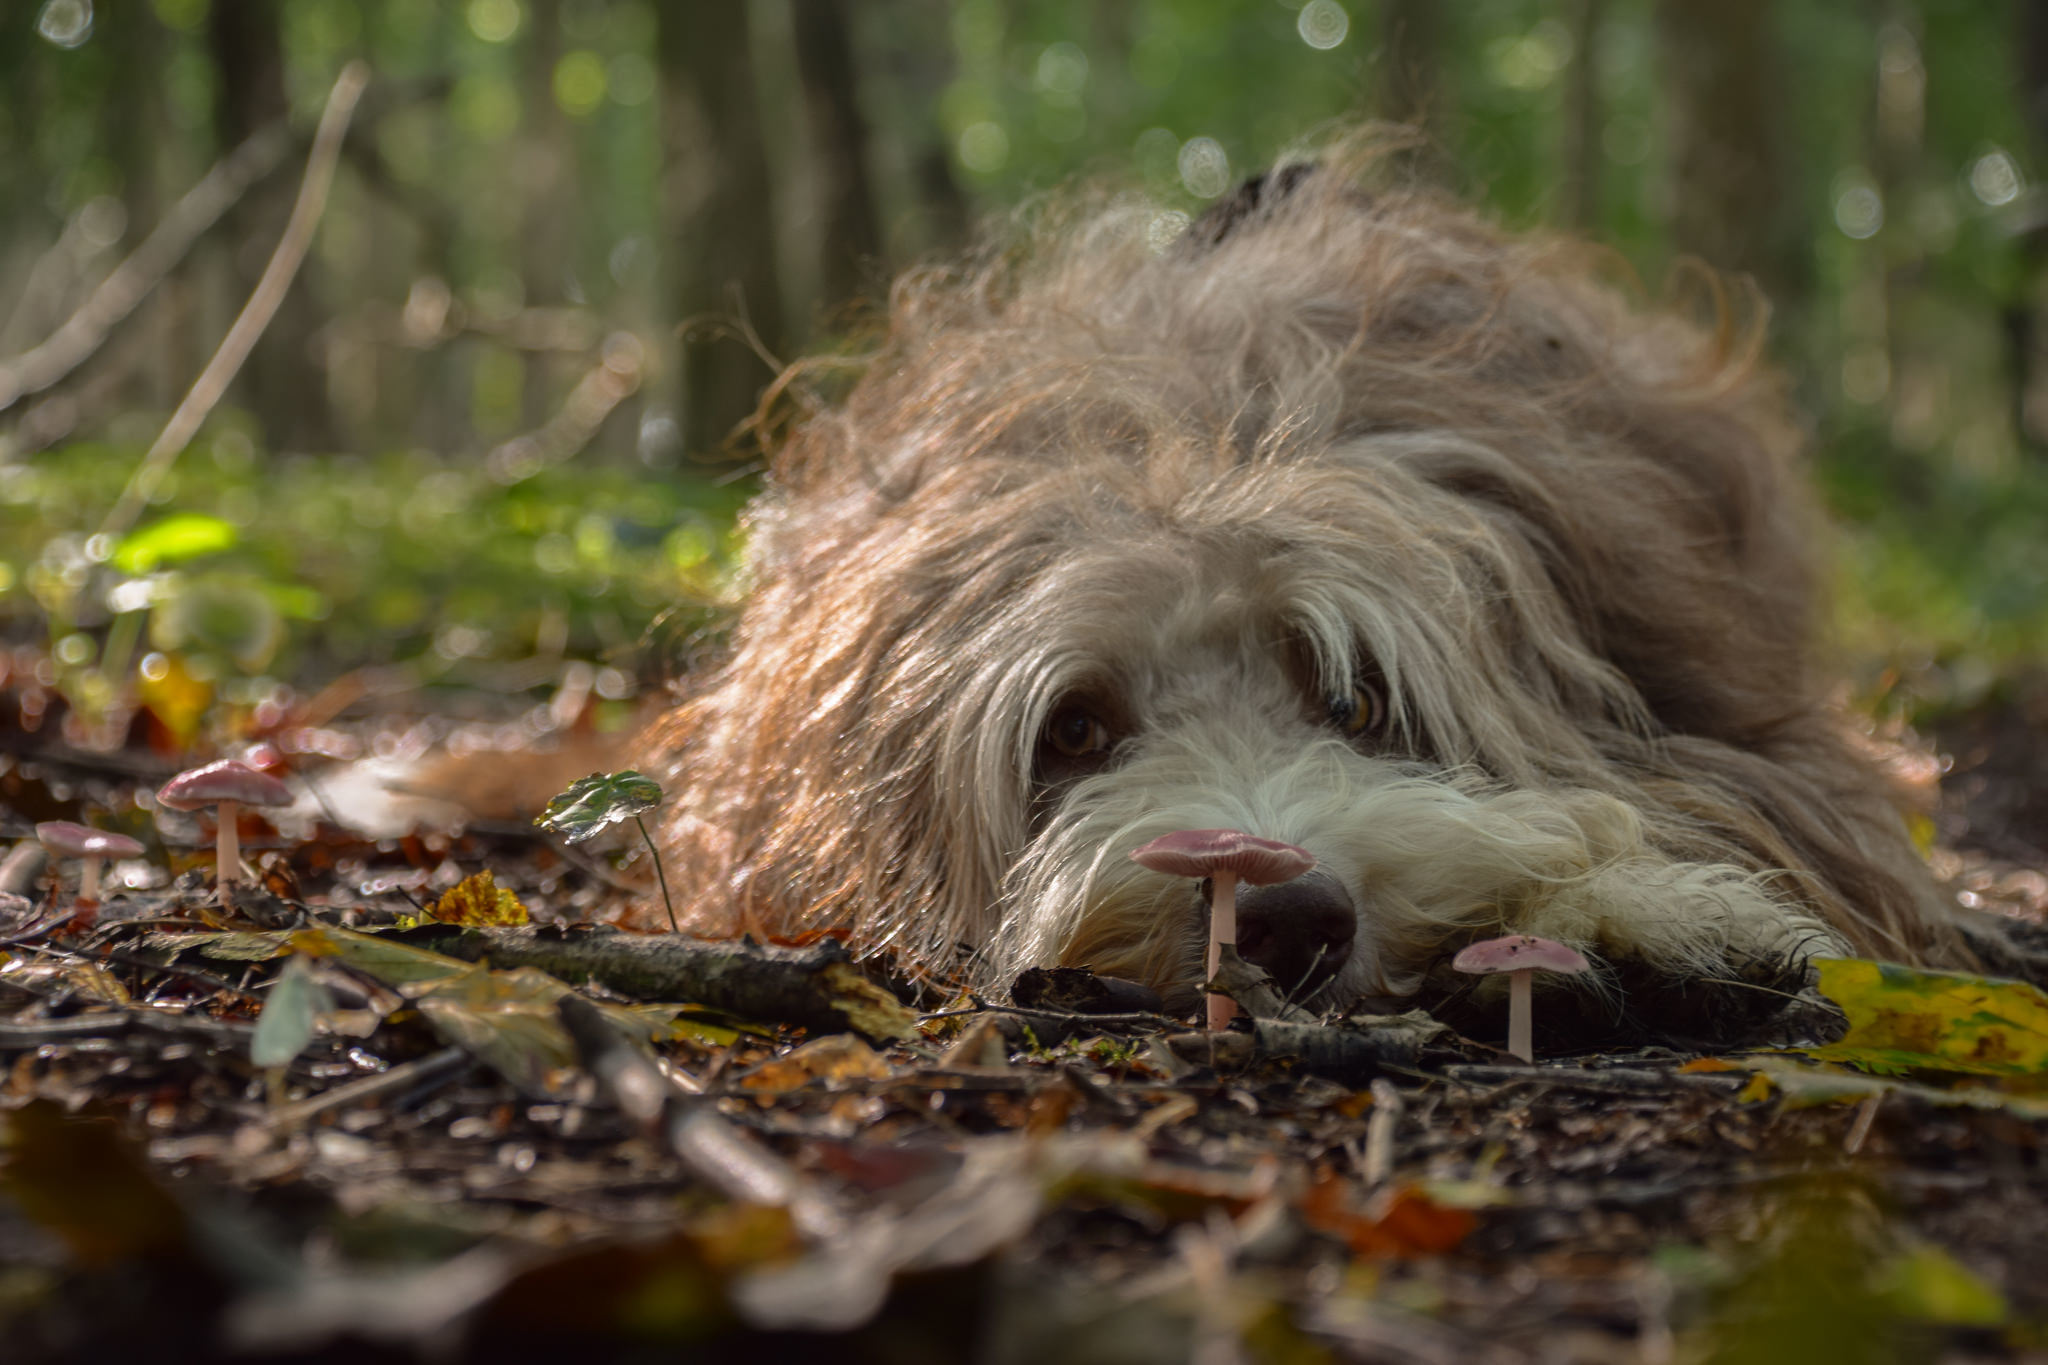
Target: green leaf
{"points": [[290, 1014], [1904, 1019], [595, 803], [176, 538], [1927, 1284]]}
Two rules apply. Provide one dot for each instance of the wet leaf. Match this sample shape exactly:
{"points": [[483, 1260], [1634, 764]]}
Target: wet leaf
{"points": [[477, 900], [595, 803], [1904, 1019]]}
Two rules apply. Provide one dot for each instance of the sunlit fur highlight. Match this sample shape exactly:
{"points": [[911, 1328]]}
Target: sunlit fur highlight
{"points": [[1360, 436]]}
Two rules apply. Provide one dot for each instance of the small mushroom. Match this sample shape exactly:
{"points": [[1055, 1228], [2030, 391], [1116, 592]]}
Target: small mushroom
{"points": [[64, 839], [1225, 856], [229, 786], [1521, 956]]}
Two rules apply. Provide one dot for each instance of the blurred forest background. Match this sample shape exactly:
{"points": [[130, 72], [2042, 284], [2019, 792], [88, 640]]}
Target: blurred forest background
{"points": [[490, 432]]}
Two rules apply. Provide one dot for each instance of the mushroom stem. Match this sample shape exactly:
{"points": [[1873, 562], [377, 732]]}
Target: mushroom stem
{"points": [[228, 846], [1520, 1015], [89, 879], [1222, 930]]}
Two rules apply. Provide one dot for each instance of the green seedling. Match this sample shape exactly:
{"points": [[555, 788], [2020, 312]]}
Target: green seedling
{"points": [[595, 803]]}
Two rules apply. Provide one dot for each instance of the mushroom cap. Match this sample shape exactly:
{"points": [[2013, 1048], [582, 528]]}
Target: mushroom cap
{"points": [[1205, 852], [226, 780], [68, 840], [1517, 953]]}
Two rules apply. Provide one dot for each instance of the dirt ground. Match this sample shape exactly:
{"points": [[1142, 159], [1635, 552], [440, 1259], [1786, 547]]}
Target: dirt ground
{"points": [[454, 1163]]}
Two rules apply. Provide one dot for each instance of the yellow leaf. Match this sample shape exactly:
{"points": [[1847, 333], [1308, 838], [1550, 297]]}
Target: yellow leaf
{"points": [[478, 901], [1759, 1088], [1929, 1285], [169, 691], [1901, 1018]]}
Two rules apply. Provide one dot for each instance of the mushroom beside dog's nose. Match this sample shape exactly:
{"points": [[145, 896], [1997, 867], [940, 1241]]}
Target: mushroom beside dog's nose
{"points": [[1299, 931]]}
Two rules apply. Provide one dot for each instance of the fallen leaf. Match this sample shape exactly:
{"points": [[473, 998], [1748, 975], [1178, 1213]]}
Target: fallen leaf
{"points": [[477, 900], [1905, 1019]]}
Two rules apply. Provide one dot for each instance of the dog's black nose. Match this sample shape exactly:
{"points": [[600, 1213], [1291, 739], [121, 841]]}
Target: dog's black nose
{"points": [[1299, 931]]}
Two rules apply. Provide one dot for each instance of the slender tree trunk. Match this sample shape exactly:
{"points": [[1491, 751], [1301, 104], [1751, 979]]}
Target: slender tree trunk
{"points": [[1579, 196], [280, 384], [716, 198], [1411, 41], [2018, 317], [1729, 201], [850, 241], [136, 118], [547, 168]]}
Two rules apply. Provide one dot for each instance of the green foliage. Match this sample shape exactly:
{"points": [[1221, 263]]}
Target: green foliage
{"points": [[595, 803]]}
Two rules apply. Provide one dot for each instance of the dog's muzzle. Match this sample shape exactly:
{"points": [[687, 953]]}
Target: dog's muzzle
{"points": [[1300, 932]]}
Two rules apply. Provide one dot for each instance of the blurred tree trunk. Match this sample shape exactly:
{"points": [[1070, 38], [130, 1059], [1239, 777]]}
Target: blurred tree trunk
{"points": [[1730, 204], [1579, 196], [1411, 41], [280, 384], [1409, 89], [913, 44], [548, 180], [136, 117], [850, 242], [2018, 315], [719, 215]]}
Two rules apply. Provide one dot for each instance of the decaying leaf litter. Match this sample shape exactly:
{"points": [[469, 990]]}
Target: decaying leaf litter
{"points": [[409, 1099]]}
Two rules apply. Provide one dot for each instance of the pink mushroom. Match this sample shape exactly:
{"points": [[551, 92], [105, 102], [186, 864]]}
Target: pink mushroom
{"points": [[1225, 856], [66, 840], [229, 786], [1521, 956]]}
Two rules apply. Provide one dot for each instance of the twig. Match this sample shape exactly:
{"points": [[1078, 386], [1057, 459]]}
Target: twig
{"points": [[130, 282], [433, 1069], [257, 313]]}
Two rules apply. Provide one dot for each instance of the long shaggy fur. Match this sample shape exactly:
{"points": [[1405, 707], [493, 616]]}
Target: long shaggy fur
{"points": [[1194, 486]]}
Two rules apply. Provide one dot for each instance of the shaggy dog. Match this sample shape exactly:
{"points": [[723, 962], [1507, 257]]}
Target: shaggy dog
{"points": [[1338, 517]]}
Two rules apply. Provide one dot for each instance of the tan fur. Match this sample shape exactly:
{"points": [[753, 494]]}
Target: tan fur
{"points": [[1199, 486]]}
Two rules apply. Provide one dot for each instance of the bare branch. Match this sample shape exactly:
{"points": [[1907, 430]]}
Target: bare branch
{"points": [[86, 330], [257, 313]]}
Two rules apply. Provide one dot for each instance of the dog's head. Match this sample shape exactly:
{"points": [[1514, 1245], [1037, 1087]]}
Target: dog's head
{"points": [[1352, 523]]}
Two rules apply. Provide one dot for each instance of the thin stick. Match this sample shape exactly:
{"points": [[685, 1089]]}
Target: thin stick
{"points": [[132, 281], [659, 875], [263, 303]]}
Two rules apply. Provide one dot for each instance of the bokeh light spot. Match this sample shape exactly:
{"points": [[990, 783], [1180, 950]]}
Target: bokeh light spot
{"points": [[1204, 167], [1994, 178], [1859, 211], [1322, 24], [494, 21], [984, 147], [67, 23], [580, 83]]}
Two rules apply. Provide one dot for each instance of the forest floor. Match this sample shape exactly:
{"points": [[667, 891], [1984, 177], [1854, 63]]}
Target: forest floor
{"points": [[293, 1122]]}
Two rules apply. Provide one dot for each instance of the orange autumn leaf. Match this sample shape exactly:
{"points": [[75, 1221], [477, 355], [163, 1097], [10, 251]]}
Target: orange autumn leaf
{"points": [[1400, 1222]]}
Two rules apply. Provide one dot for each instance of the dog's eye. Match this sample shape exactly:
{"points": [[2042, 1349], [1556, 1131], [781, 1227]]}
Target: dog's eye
{"points": [[1076, 733], [1360, 712]]}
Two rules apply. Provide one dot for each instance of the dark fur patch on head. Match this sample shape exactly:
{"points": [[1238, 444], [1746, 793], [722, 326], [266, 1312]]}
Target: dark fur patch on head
{"points": [[1254, 199]]}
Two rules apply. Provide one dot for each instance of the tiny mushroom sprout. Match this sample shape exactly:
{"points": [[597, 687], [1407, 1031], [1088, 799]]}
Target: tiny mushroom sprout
{"points": [[64, 839], [1225, 856], [1521, 956], [229, 786]]}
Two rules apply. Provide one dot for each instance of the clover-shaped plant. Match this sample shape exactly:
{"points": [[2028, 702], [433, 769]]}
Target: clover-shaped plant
{"points": [[595, 803]]}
